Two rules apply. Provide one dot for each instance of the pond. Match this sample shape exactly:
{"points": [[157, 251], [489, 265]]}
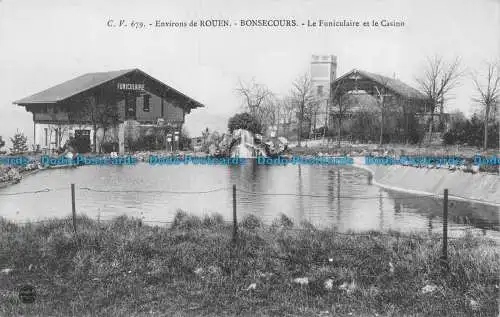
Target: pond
{"points": [[327, 196]]}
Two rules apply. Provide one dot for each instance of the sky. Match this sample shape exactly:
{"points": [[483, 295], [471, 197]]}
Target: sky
{"points": [[44, 43]]}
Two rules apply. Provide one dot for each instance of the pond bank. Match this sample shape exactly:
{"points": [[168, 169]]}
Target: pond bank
{"points": [[481, 187], [194, 269], [26, 173]]}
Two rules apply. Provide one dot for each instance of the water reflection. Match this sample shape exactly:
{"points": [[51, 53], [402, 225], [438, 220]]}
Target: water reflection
{"points": [[299, 198], [381, 210], [323, 195], [339, 208]]}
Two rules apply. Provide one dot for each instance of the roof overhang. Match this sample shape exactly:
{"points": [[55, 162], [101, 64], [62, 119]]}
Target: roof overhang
{"points": [[362, 80], [72, 88]]}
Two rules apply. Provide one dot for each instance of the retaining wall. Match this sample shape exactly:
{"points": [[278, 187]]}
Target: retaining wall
{"points": [[462, 186]]}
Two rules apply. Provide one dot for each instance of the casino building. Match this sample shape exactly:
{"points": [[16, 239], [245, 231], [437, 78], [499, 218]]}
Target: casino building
{"points": [[364, 96], [116, 107]]}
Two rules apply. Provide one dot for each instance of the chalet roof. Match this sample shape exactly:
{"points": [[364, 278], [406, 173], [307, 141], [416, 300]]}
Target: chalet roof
{"points": [[83, 83], [395, 85]]}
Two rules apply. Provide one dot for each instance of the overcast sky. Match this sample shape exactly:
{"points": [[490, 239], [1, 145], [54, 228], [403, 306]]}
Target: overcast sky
{"points": [[43, 43]]}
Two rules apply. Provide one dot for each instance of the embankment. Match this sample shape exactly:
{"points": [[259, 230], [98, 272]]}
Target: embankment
{"points": [[482, 188]]}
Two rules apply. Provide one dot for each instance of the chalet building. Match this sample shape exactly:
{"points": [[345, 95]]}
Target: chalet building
{"points": [[116, 107], [361, 96], [352, 105], [386, 91], [358, 92]]}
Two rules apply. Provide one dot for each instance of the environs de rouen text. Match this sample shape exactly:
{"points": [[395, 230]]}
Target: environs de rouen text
{"points": [[251, 22]]}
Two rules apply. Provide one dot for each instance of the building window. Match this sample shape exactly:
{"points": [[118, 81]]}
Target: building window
{"points": [[146, 103], [130, 106], [320, 90], [97, 99]]}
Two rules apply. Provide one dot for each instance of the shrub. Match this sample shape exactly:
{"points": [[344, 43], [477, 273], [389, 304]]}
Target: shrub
{"points": [[146, 143], [471, 132], [180, 216], [244, 121], [108, 147]]}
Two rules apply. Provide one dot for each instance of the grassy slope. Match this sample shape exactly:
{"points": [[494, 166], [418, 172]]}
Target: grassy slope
{"points": [[122, 269]]}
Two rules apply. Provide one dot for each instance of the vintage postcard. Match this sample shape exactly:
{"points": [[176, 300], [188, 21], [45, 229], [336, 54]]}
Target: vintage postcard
{"points": [[249, 158]]}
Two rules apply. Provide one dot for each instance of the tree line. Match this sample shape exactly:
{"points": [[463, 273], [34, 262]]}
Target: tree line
{"points": [[382, 123]]}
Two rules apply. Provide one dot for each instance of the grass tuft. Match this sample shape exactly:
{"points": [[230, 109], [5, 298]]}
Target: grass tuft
{"points": [[283, 222], [214, 220], [251, 222], [184, 221]]}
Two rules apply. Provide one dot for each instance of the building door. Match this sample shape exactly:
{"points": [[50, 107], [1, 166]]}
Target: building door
{"points": [[130, 106], [82, 141]]}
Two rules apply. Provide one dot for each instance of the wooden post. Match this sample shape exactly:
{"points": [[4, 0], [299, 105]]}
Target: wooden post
{"points": [[444, 257], [235, 221], [73, 209]]}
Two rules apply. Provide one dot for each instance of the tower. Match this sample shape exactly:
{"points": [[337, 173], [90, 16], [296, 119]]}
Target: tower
{"points": [[323, 73]]}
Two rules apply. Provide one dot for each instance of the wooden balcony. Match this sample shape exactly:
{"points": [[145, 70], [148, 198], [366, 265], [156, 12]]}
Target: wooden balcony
{"points": [[62, 117]]}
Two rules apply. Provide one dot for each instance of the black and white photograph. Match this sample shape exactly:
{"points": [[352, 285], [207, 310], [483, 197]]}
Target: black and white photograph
{"points": [[250, 158]]}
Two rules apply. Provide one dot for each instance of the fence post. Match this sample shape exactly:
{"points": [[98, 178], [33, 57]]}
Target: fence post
{"points": [[444, 257], [235, 221], [73, 209]]}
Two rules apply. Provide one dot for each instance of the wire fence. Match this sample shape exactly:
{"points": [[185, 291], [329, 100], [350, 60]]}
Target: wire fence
{"points": [[316, 202], [287, 257], [375, 197], [312, 204]]}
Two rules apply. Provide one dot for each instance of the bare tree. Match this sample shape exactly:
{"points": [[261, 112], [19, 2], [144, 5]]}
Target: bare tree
{"points": [[303, 98], [100, 115], [382, 93], [312, 113], [205, 134], [108, 118], [256, 99], [279, 110], [273, 112], [488, 95], [288, 113], [437, 81], [60, 131], [341, 104], [269, 113]]}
